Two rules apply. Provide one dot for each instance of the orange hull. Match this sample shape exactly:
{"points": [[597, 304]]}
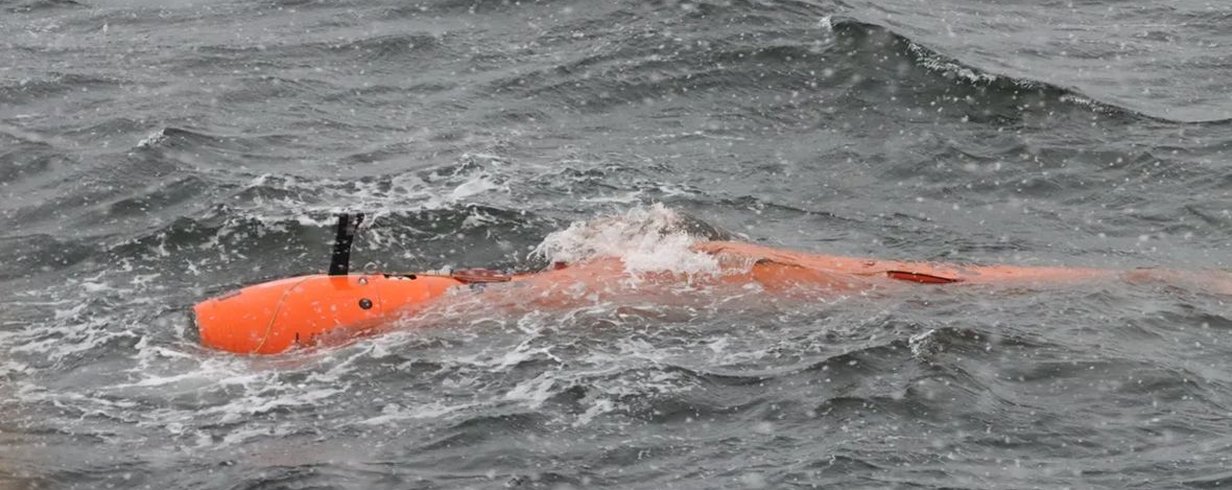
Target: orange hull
{"points": [[272, 317], [276, 316]]}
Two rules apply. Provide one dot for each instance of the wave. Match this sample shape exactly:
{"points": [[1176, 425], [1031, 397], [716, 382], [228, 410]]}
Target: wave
{"points": [[856, 32], [195, 139], [32, 254], [28, 6], [373, 47], [19, 92], [28, 161], [873, 64]]}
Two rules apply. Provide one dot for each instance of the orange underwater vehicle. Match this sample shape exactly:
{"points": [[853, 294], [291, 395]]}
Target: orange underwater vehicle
{"points": [[276, 316]]}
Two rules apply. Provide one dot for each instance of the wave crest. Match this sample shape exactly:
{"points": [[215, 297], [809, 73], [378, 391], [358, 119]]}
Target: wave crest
{"points": [[859, 32]]}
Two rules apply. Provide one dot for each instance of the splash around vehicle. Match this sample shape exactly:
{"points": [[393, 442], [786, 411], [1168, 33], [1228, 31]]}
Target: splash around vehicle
{"points": [[310, 310]]}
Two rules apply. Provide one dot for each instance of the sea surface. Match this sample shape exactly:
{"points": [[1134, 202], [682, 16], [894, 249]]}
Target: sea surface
{"points": [[155, 153]]}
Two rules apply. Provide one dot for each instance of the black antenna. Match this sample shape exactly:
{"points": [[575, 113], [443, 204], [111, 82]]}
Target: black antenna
{"points": [[340, 261]]}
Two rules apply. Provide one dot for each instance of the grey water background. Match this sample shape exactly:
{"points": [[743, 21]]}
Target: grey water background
{"points": [[154, 153]]}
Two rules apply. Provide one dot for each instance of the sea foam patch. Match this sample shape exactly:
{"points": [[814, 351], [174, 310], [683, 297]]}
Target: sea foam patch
{"points": [[647, 238]]}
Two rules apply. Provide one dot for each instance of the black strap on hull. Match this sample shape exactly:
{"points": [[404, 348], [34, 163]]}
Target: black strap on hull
{"points": [[340, 261]]}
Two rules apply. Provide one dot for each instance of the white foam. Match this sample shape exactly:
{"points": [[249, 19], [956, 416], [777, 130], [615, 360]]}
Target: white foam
{"points": [[1086, 102], [599, 407], [938, 63], [646, 239], [827, 23], [430, 410], [473, 187], [535, 391], [153, 139], [922, 343]]}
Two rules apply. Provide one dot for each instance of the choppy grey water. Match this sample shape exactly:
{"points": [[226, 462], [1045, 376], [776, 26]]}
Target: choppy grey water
{"points": [[154, 153]]}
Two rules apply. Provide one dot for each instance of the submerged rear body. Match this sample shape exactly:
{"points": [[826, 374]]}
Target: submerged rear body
{"points": [[276, 316]]}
